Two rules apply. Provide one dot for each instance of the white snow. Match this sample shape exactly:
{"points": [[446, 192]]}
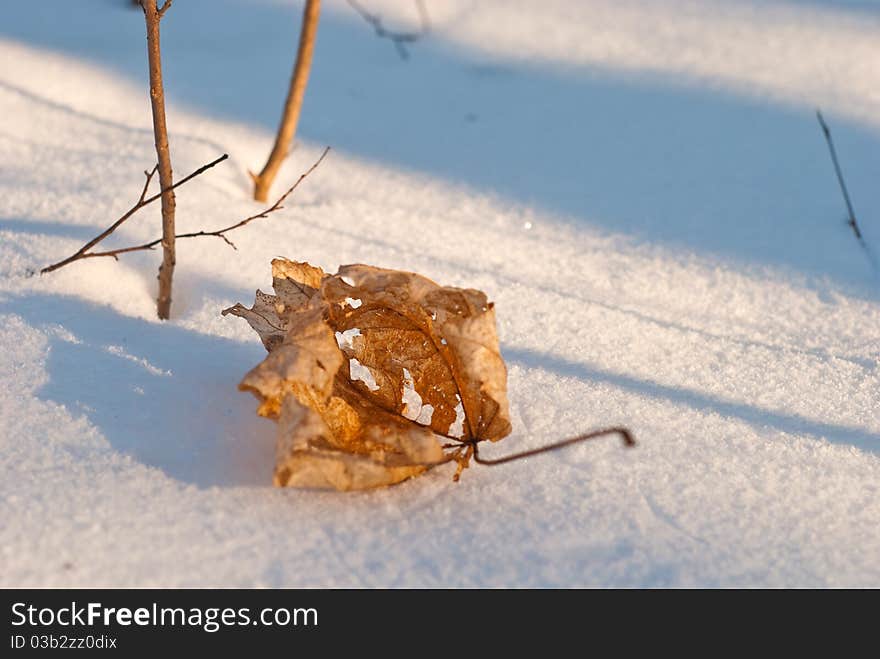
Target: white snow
{"points": [[426, 413], [412, 401], [119, 351], [457, 427], [345, 340], [363, 373], [640, 186]]}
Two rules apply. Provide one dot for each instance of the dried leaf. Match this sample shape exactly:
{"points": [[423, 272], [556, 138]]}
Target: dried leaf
{"points": [[294, 283], [367, 367]]}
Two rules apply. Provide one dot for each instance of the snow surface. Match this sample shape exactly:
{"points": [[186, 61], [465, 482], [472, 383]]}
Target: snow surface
{"points": [[641, 187]]}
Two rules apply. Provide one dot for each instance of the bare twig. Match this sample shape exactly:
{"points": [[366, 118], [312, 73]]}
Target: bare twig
{"points": [[142, 201], [274, 207], [293, 104], [849, 208], [464, 450], [219, 233], [623, 433], [399, 39]]}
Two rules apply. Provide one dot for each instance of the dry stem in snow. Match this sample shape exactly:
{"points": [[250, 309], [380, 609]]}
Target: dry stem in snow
{"points": [[153, 16], [293, 104]]}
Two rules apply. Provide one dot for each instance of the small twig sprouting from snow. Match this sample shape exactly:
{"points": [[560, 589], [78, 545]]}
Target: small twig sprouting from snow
{"points": [[851, 220], [293, 104], [219, 233], [142, 201], [849, 208], [399, 39]]}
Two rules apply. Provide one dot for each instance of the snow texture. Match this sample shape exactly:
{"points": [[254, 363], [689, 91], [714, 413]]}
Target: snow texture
{"points": [[641, 187]]}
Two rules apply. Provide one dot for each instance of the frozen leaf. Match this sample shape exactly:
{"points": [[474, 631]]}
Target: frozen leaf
{"points": [[367, 367]]}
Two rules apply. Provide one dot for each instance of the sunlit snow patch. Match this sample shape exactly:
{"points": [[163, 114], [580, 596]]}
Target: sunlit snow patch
{"points": [[412, 402], [62, 333], [363, 373], [456, 429], [345, 340], [119, 351]]}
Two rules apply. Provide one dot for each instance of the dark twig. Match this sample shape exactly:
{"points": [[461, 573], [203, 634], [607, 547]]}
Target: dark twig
{"points": [[624, 434], [219, 233], [399, 39], [81, 253], [849, 208], [464, 450], [274, 207]]}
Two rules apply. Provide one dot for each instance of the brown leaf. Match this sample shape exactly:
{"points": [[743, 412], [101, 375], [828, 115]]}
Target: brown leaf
{"points": [[367, 367], [294, 283]]}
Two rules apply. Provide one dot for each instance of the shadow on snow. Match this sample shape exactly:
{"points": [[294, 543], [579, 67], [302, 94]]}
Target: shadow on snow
{"points": [[695, 168], [162, 394], [166, 396]]}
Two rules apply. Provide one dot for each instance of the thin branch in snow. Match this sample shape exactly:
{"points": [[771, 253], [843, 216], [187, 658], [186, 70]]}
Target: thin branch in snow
{"points": [[399, 39], [274, 207], [849, 208], [219, 233], [463, 451], [851, 221], [143, 200]]}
